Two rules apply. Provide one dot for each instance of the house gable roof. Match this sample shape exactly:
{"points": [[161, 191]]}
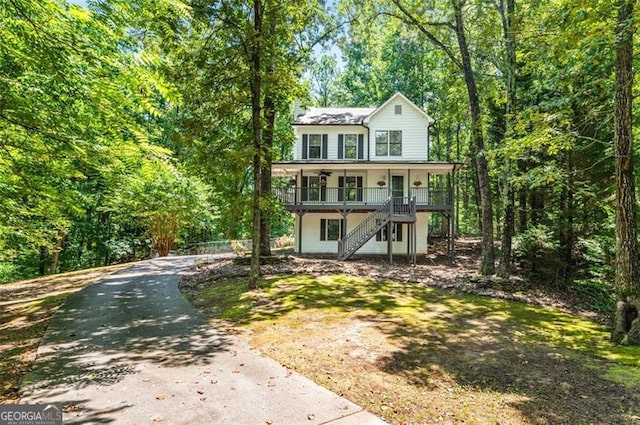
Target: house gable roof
{"points": [[333, 116], [394, 98], [352, 116]]}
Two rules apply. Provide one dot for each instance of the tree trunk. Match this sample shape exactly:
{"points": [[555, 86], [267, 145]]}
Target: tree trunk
{"points": [[43, 260], [265, 225], [522, 209], [507, 14], [536, 201], [56, 252], [269, 110], [567, 205], [256, 115], [487, 266], [504, 267], [626, 275]]}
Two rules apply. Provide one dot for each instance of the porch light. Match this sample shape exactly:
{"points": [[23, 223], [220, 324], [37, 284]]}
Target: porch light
{"points": [[382, 180], [417, 181], [293, 181]]}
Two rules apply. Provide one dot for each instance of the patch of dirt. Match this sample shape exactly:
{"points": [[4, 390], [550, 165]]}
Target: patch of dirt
{"points": [[440, 364], [437, 269]]}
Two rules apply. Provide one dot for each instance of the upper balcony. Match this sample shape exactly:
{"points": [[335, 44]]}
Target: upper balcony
{"points": [[322, 198]]}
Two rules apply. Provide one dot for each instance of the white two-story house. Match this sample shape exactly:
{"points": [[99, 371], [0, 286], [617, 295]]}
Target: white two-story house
{"points": [[361, 180]]}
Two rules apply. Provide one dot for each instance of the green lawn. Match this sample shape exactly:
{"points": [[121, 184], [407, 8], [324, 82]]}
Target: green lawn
{"points": [[414, 354]]}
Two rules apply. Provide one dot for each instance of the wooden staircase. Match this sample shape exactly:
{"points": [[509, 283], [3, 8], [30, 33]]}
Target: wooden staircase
{"points": [[393, 209]]}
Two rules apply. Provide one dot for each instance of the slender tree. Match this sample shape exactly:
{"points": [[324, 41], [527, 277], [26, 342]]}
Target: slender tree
{"points": [[256, 120], [464, 64], [627, 274], [506, 9]]}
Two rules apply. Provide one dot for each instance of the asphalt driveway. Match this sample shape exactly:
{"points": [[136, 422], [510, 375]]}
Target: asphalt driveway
{"points": [[130, 349]]}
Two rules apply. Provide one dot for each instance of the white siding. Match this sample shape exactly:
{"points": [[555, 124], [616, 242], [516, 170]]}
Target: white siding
{"points": [[311, 243], [414, 127], [332, 131]]}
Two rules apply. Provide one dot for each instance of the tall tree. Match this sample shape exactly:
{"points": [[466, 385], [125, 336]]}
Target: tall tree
{"points": [[256, 122], [463, 61], [506, 9], [627, 274]]}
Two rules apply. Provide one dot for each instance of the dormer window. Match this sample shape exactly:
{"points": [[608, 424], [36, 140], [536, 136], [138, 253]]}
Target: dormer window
{"points": [[398, 109]]}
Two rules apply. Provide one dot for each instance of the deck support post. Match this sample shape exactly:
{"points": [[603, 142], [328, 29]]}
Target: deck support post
{"points": [[300, 214], [390, 241]]}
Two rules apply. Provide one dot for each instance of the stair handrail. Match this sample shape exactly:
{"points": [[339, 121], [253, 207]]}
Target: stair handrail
{"points": [[366, 228]]}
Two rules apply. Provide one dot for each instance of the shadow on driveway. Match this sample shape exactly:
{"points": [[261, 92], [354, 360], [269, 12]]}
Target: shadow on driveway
{"points": [[101, 333]]}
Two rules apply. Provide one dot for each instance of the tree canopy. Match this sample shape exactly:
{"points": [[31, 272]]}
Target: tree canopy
{"points": [[132, 127]]}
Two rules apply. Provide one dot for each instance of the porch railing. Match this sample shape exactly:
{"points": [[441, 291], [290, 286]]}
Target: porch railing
{"points": [[373, 196]]}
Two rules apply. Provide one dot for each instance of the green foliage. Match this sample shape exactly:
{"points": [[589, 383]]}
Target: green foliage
{"points": [[595, 282], [79, 93], [538, 250], [162, 200]]}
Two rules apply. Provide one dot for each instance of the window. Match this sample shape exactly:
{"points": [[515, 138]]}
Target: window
{"points": [[313, 190], [389, 143], [382, 143], [396, 229], [350, 188], [329, 229], [398, 109], [395, 143], [350, 146], [314, 146]]}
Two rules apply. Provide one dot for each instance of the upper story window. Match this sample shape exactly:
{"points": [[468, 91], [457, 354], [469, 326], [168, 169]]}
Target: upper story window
{"points": [[350, 146], [389, 143], [314, 146]]}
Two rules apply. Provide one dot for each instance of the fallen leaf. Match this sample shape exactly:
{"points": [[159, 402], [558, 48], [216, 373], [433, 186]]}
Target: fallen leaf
{"points": [[311, 417], [159, 397], [157, 418], [200, 392]]}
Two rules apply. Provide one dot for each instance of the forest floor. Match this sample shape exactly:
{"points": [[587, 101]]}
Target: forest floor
{"points": [[25, 309], [431, 344]]}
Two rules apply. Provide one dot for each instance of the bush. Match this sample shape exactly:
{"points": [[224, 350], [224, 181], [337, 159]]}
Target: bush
{"points": [[538, 251]]}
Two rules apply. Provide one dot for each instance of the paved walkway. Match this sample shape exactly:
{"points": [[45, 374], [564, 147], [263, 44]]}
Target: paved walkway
{"points": [[131, 350]]}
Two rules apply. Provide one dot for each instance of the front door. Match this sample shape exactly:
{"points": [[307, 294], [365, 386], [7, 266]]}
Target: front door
{"points": [[397, 186], [397, 191]]}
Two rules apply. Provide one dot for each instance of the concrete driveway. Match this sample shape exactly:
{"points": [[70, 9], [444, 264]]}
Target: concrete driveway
{"points": [[130, 349]]}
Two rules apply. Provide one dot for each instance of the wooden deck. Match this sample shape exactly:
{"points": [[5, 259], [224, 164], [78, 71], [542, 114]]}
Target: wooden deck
{"points": [[364, 199]]}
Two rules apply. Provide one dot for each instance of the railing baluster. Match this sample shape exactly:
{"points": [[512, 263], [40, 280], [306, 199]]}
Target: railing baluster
{"points": [[300, 196]]}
